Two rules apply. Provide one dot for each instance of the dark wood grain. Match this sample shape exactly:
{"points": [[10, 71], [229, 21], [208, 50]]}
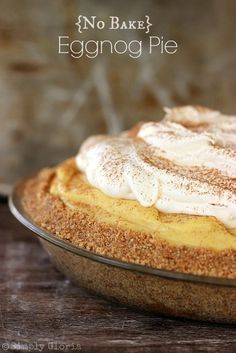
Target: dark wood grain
{"points": [[40, 307]]}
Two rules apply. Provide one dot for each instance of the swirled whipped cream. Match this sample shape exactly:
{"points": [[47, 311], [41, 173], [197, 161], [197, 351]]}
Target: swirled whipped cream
{"points": [[203, 119], [166, 165]]}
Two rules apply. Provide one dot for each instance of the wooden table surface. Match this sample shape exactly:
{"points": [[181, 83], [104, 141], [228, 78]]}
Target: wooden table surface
{"points": [[43, 311]]}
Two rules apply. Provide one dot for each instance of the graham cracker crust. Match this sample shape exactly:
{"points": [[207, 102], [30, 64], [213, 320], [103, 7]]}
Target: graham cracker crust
{"points": [[82, 230]]}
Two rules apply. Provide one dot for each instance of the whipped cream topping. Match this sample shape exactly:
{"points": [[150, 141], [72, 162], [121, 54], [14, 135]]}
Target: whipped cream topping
{"points": [[166, 165], [184, 147], [203, 119]]}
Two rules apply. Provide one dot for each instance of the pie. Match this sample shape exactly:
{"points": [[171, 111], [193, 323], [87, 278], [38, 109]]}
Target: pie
{"points": [[162, 194]]}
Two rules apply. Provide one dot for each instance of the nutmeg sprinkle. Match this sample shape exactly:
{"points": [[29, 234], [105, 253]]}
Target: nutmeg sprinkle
{"points": [[166, 164]]}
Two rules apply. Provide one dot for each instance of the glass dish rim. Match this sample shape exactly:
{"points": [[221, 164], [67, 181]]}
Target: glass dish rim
{"points": [[16, 208]]}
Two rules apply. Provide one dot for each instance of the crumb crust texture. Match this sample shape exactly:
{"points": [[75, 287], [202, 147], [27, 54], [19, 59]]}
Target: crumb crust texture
{"points": [[87, 226]]}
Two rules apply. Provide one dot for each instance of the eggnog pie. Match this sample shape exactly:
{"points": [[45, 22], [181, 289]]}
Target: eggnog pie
{"points": [[162, 194]]}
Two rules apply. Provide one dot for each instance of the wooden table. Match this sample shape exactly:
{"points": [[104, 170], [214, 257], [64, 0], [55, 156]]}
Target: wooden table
{"points": [[40, 309]]}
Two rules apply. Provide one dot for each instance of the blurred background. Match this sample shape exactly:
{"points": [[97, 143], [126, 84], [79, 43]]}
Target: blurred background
{"points": [[49, 103]]}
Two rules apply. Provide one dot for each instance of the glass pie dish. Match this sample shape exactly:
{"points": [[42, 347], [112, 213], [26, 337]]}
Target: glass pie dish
{"points": [[155, 290]]}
